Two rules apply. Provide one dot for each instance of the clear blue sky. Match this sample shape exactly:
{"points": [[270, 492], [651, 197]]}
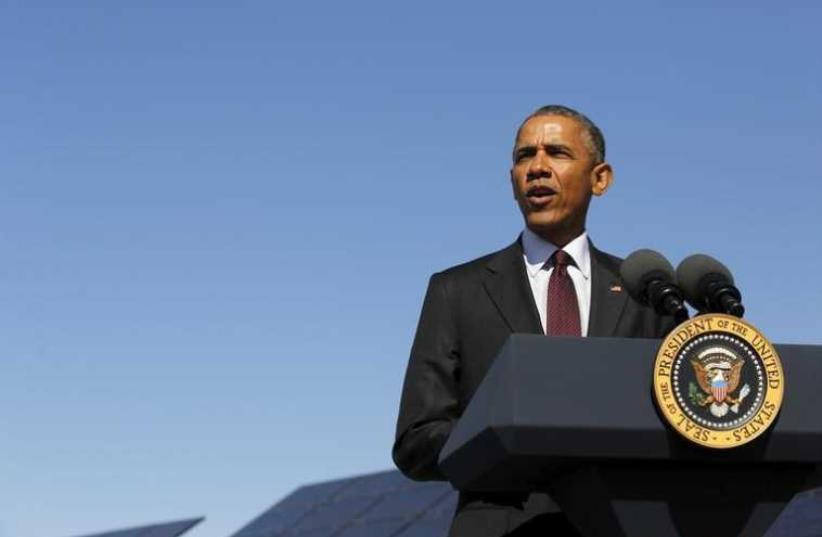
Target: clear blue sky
{"points": [[217, 221]]}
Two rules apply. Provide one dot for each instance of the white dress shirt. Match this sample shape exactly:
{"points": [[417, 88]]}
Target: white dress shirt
{"points": [[537, 251]]}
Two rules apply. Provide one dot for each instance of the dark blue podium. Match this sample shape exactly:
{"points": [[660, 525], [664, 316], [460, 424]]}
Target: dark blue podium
{"points": [[575, 417]]}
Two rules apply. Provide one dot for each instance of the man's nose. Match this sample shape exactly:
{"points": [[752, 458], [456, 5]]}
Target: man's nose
{"points": [[540, 166]]}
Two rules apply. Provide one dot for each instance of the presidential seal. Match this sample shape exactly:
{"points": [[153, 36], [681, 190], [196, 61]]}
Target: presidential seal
{"points": [[718, 381]]}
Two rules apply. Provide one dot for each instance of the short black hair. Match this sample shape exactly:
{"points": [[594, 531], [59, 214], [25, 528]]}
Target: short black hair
{"points": [[595, 139]]}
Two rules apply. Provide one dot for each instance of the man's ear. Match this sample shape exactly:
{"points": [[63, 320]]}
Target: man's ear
{"points": [[513, 184], [602, 176]]}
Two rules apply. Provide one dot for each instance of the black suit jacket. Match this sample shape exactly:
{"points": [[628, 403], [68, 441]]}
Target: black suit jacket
{"points": [[468, 313]]}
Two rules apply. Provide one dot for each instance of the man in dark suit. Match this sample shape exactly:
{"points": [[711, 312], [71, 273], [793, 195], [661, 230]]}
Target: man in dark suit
{"points": [[551, 280]]}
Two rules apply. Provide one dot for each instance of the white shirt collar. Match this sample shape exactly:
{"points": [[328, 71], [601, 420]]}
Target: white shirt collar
{"points": [[537, 251]]}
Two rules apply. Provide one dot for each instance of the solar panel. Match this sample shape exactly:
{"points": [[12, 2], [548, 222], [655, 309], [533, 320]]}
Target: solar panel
{"points": [[336, 513], [370, 529], [801, 518], [409, 500], [427, 528], [383, 504], [291, 509], [166, 529], [375, 484], [436, 520], [444, 508], [173, 529]]}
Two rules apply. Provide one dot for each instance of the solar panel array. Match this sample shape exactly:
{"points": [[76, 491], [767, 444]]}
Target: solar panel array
{"points": [[384, 504], [166, 529], [801, 518]]}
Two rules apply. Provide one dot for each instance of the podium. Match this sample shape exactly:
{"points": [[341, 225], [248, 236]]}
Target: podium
{"points": [[575, 417]]}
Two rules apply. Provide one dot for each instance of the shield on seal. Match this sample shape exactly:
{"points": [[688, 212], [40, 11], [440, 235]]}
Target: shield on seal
{"points": [[719, 389]]}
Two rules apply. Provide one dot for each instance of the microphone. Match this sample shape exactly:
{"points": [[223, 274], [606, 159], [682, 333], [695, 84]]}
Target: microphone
{"points": [[709, 286], [650, 280]]}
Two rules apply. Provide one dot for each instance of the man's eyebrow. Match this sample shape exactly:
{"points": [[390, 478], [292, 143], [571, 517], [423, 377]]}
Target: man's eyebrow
{"points": [[524, 149], [555, 147], [531, 149]]}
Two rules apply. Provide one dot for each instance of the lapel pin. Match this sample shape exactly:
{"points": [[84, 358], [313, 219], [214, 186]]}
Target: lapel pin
{"points": [[616, 288]]}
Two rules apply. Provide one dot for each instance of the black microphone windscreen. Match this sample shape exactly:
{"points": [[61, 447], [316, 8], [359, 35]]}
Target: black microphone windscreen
{"points": [[691, 273], [640, 268]]}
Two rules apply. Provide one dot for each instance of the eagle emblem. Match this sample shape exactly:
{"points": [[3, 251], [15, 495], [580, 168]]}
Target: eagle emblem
{"points": [[718, 381], [718, 372]]}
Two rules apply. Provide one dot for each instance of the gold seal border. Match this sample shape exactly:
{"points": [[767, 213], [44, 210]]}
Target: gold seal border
{"points": [[666, 399]]}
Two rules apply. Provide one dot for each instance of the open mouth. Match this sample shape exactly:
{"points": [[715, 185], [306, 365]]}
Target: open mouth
{"points": [[540, 195]]}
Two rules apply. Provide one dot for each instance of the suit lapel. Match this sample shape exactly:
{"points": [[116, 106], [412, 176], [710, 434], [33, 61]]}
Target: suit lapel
{"points": [[608, 299], [507, 284]]}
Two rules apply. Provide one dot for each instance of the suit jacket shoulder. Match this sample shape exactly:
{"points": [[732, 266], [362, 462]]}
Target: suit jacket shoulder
{"points": [[476, 267]]}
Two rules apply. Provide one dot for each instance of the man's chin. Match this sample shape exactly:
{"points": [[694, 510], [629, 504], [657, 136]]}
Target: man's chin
{"points": [[542, 223], [557, 232]]}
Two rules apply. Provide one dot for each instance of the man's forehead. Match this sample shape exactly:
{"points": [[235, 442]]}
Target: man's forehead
{"points": [[547, 129]]}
